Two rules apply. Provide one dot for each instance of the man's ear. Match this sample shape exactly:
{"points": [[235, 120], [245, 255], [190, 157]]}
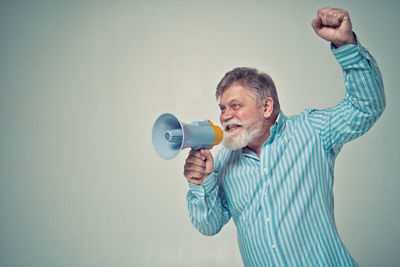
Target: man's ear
{"points": [[268, 107]]}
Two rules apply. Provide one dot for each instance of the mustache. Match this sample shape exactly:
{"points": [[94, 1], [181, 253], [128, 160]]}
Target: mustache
{"points": [[233, 121]]}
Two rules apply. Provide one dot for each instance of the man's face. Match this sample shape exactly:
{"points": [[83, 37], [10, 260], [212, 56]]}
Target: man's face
{"points": [[242, 120]]}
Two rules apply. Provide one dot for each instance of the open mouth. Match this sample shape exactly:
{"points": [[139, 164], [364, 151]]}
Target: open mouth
{"points": [[232, 127]]}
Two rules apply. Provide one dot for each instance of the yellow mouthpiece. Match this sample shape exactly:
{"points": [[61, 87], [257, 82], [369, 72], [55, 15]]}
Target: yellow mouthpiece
{"points": [[218, 134]]}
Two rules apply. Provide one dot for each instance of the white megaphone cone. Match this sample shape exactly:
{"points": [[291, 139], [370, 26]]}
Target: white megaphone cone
{"points": [[170, 136]]}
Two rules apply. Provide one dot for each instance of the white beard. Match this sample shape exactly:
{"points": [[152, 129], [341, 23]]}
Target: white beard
{"points": [[249, 131]]}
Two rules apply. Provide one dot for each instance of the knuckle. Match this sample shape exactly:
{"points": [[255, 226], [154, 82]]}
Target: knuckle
{"points": [[323, 9]]}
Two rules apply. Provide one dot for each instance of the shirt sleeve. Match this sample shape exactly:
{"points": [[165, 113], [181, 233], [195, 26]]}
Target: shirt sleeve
{"points": [[363, 104], [207, 205]]}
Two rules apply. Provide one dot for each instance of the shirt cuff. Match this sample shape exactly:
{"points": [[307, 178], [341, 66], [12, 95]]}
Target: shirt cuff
{"points": [[348, 55], [206, 186]]}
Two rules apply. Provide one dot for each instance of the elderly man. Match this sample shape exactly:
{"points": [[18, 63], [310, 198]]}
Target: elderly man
{"points": [[275, 176]]}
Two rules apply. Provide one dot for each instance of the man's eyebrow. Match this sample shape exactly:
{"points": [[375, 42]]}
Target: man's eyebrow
{"points": [[229, 103]]}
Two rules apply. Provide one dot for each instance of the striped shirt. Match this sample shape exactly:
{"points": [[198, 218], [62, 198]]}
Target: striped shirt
{"points": [[282, 201]]}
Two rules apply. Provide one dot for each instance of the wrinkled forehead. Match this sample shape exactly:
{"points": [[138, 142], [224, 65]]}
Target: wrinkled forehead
{"points": [[236, 91]]}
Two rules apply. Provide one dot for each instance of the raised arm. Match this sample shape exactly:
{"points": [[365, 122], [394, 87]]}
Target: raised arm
{"points": [[364, 101]]}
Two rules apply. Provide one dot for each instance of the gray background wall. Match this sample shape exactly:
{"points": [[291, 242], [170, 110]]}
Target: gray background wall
{"points": [[81, 83]]}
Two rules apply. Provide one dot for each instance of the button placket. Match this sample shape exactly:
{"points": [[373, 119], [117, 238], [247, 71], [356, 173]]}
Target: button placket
{"points": [[268, 219], [266, 174]]}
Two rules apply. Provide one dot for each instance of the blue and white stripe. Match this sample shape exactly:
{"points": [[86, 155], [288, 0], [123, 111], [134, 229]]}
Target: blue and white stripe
{"points": [[282, 201]]}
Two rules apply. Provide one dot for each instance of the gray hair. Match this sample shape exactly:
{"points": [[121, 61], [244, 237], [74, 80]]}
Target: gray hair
{"points": [[261, 85]]}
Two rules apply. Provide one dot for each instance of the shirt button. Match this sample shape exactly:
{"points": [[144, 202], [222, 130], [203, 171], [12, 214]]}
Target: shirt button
{"points": [[273, 246], [268, 219], [265, 169]]}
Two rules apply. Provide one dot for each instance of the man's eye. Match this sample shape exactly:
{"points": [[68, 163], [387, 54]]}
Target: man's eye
{"points": [[235, 106]]}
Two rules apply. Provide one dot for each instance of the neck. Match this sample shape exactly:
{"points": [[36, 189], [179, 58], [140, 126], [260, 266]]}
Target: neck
{"points": [[256, 144]]}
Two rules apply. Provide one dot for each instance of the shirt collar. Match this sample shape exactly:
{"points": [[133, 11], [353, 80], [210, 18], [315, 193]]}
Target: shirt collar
{"points": [[279, 125]]}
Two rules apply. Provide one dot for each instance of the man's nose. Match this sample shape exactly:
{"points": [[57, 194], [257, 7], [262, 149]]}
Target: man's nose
{"points": [[226, 116]]}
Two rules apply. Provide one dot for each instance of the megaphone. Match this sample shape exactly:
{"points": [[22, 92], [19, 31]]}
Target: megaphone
{"points": [[170, 136]]}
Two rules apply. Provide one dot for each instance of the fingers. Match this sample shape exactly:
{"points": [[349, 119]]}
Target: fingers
{"points": [[334, 25], [316, 23], [206, 154], [198, 165], [192, 171], [195, 167], [197, 153], [192, 177], [332, 17], [196, 159]]}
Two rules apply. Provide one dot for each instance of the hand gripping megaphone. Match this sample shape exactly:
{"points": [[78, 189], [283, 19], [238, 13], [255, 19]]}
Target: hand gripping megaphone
{"points": [[170, 136]]}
